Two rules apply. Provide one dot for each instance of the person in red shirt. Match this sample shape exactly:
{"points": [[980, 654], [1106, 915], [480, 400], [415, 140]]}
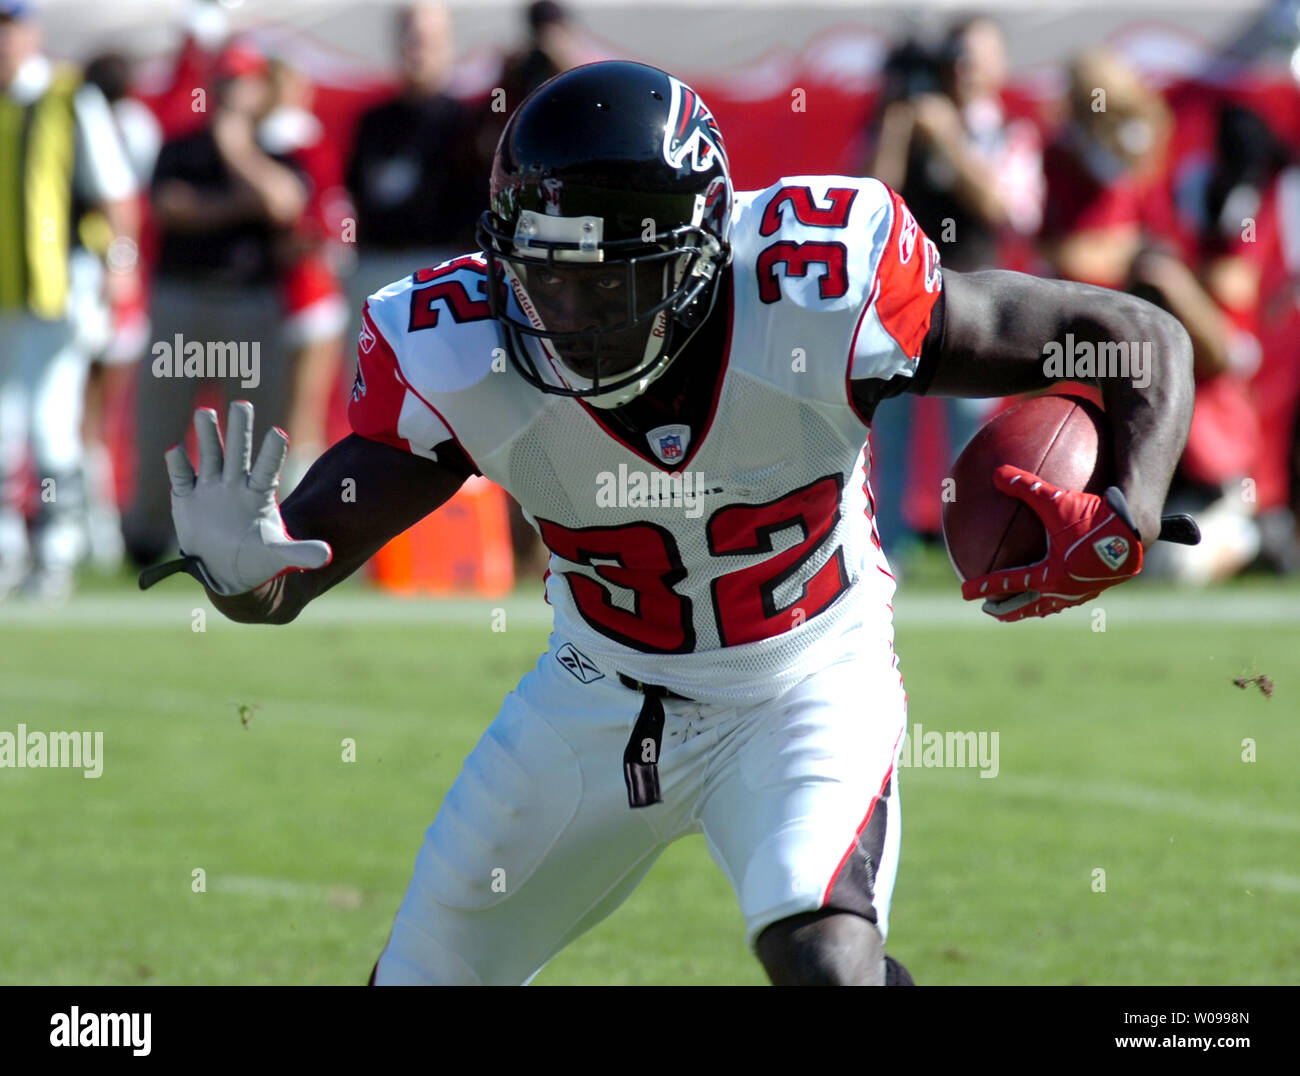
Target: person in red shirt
{"points": [[1232, 216], [224, 209], [1099, 171], [315, 305]]}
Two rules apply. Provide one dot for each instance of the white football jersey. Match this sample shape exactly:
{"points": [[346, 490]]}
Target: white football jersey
{"points": [[725, 567]]}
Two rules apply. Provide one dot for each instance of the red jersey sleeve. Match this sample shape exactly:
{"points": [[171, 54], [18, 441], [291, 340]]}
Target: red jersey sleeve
{"points": [[900, 304], [384, 407]]}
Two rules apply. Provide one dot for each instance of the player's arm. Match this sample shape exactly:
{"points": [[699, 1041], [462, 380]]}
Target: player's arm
{"points": [[262, 563], [988, 338], [356, 497]]}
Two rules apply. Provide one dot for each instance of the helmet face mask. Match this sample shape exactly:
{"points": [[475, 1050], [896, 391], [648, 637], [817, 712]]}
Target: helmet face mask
{"points": [[603, 254]]}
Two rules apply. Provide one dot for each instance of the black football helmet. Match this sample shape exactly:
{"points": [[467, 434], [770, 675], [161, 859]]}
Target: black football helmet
{"points": [[610, 207]]}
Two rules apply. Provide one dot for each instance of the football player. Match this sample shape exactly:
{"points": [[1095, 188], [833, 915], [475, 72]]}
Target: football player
{"points": [[728, 670]]}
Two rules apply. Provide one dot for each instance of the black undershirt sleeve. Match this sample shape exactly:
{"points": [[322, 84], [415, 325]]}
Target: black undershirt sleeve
{"points": [[357, 496]]}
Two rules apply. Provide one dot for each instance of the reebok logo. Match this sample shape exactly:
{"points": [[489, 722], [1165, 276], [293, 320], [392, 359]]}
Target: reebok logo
{"points": [[578, 663], [366, 339]]}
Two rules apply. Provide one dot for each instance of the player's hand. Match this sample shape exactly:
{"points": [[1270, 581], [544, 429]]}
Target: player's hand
{"points": [[227, 518], [1092, 544]]}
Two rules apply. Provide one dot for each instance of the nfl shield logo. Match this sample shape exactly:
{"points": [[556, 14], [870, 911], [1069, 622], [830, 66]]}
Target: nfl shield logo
{"points": [[1114, 551], [670, 442]]}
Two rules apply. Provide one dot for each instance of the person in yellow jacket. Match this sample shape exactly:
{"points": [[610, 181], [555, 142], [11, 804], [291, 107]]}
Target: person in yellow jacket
{"points": [[59, 156]]}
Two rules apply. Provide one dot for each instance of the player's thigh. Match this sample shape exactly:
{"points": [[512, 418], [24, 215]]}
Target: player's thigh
{"points": [[803, 814], [534, 843]]}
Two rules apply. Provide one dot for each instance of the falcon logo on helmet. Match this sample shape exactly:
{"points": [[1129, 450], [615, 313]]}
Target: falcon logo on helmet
{"points": [[692, 133]]}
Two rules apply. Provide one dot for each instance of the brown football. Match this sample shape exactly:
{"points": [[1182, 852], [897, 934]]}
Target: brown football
{"points": [[1062, 439]]}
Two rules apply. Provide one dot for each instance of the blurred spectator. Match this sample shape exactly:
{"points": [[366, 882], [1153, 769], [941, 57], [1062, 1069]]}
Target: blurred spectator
{"points": [[60, 162], [1277, 386], [1234, 217], [316, 311], [411, 170], [1102, 202], [552, 47], [223, 207], [945, 144], [112, 329], [137, 126], [969, 176], [181, 106], [1100, 170]]}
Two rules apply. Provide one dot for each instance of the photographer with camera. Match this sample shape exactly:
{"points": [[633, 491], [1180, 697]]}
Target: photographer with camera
{"points": [[970, 176]]}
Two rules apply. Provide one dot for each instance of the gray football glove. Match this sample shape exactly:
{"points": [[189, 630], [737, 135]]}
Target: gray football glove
{"points": [[227, 518]]}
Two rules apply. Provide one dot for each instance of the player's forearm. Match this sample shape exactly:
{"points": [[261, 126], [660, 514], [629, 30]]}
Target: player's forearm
{"points": [[1142, 363], [280, 600], [1150, 414], [262, 605], [1006, 333], [357, 496], [1141, 360]]}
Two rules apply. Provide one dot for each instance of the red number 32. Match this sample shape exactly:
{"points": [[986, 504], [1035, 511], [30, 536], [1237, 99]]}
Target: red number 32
{"points": [[646, 562], [799, 257]]}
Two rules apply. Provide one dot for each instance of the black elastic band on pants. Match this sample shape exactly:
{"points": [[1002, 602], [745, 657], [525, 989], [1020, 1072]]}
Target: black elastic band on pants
{"points": [[642, 773]]}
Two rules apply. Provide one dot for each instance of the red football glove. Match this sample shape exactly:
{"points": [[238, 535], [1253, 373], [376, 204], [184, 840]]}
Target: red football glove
{"points": [[1092, 544]]}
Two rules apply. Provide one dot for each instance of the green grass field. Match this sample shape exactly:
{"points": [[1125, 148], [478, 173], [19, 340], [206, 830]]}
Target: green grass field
{"points": [[1119, 750]]}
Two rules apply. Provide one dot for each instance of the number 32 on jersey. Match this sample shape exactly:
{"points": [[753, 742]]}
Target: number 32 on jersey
{"points": [[646, 563]]}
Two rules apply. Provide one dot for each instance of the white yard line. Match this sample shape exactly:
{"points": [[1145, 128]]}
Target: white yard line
{"points": [[129, 610], [339, 896], [1208, 810], [43, 696], [1279, 883], [37, 699], [926, 609]]}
